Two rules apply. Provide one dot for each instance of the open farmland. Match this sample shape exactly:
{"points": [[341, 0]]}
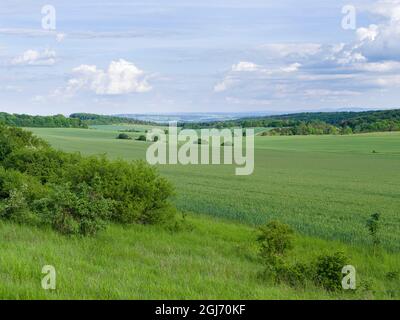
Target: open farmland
{"points": [[323, 186]]}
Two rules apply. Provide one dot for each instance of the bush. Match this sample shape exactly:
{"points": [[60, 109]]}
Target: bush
{"points": [[275, 239], [17, 193], [76, 194], [82, 211], [373, 227], [328, 271], [124, 136], [294, 275], [137, 192], [142, 138], [46, 164]]}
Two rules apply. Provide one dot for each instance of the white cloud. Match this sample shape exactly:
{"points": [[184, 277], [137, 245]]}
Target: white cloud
{"points": [[384, 66], [291, 49], [291, 68], [36, 58], [121, 77], [224, 84], [248, 71], [245, 66]]}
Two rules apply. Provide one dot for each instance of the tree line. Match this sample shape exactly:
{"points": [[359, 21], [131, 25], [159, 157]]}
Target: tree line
{"points": [[315, 123]]}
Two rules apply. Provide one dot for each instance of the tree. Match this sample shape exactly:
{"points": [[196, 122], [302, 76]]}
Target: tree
{"points": [[123, 136]]}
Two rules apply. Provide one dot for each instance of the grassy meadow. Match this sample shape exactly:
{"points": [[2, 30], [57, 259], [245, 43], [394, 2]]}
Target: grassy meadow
{"points": [[325, 187], [216, 260]]}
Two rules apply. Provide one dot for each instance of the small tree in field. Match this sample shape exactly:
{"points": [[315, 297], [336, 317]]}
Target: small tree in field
{"points": [[275, 240], [373, 226], [123, 136]]}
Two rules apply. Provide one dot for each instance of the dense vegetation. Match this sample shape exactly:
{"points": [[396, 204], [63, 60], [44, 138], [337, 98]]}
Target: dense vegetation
{"points": [[75, 194], [96, 119], [316, 123], [57, 121]]}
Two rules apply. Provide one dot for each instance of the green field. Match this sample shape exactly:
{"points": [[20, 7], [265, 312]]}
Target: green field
{"points": [[216, 260], [323, 186]]}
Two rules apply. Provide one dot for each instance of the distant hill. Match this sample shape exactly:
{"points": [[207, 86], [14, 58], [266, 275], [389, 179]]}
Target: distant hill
{"points": [[25, 120], [96, 119], [292, 124]]}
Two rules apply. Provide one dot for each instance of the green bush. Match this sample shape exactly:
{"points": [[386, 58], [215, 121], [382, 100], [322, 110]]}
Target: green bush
{"points": [[328, 271], [82, 211], [76, 194], [138, 193], [17, 193], [142, 138], [275, 239], [124, 136], [46, 164], [373, 226]]}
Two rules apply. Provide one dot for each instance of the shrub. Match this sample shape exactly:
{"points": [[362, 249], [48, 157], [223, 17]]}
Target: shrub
{"points": [[294, 275], [76, 194], [373, 227], [328, 271], [46, 164], [142, 138], [80, 212], [392, 275], [124, 136], [137, 192], [17, 192], [275, 239]]}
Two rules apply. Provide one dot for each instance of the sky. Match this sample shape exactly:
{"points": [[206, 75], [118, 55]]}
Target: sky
{"points": [[167, 56]]}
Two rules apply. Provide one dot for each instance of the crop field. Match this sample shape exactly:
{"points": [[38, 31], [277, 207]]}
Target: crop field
{"points": [[323, 186]]}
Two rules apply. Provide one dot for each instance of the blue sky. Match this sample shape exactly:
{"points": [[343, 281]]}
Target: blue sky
{"points": [[157, 56]]}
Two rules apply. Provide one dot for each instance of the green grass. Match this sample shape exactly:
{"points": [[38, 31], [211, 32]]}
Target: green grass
{"points": [[216, 260], [323, 186]]}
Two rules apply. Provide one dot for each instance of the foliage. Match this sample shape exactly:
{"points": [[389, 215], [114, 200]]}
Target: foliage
{"points": [[78, 210], [316, 123], [275, 239], [373, 227], [97, 119], [142, 138], [75, 194], [124, 136], [24, 120], [328, 270]]}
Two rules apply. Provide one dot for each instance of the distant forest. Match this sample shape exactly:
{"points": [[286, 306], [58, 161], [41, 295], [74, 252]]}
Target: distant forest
{"points": [[24, 120], [290, 124], [96, 119], [76, 120], [315, 123]]}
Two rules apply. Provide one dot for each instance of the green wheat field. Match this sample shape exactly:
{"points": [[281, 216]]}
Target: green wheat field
{"points": [[324, 187]]}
